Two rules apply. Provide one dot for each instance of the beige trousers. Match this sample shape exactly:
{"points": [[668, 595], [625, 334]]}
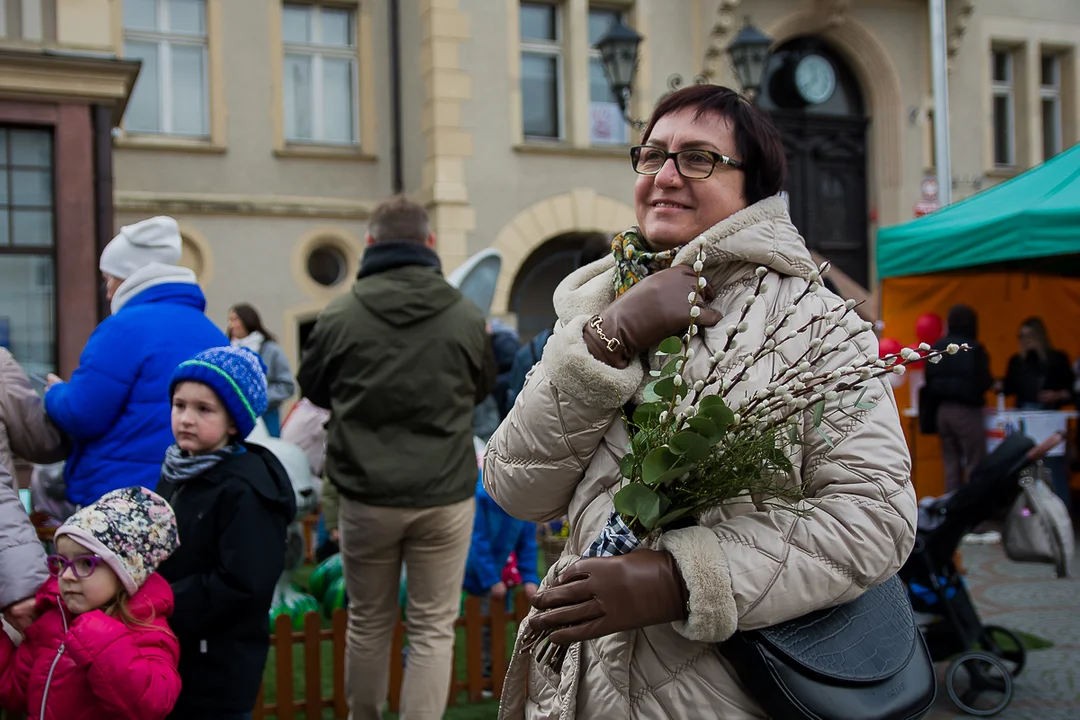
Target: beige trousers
{"points": [[433, 543]]}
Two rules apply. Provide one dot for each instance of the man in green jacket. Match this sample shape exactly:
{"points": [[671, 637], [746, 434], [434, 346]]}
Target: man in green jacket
{"points": [[401, 362]]}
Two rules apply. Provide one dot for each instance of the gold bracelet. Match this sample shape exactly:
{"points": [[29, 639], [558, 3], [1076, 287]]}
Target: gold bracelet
{"points": [[610, 343]]}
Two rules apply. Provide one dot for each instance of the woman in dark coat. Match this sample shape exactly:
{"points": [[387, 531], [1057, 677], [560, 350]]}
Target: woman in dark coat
{"points": [[1041, 378]]}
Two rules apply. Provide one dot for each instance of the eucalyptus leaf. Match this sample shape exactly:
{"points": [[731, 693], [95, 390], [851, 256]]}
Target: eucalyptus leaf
{"points": [[637, 501], [626, 465], [648, 413], [865, 405], [672, 516], [664, 387], [662, 465], [690, 445], [670, 346], [824, 436], [706, 428], [819, 412], [669, 366], [714, 408], [649, 393], [665, 503]]}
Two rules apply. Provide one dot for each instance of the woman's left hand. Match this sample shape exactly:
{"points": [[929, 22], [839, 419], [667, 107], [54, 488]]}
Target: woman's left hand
{"points": [[595, 597]]}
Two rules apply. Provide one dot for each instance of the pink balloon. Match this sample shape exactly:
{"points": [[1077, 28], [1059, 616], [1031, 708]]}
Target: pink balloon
{"points": [[888, 346], [929, 328]]}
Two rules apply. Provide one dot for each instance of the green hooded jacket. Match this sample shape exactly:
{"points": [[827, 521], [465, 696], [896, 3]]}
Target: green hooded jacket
{"points": [[401, 362]]}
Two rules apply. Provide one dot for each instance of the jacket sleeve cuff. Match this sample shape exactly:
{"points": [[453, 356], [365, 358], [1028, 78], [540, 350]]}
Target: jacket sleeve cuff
{"points": [[572, 369], [27, 571], [713, 615]]}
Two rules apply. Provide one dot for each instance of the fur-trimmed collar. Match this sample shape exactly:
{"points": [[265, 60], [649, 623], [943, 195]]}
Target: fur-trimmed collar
{"points": [[761, 234]]}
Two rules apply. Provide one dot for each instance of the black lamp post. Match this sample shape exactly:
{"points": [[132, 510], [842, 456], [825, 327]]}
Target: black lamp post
{"points": [[619, 55], [749, 53]]}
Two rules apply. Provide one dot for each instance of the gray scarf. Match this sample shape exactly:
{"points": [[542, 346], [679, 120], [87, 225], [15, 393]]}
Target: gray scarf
{"points": [[180, 466]]}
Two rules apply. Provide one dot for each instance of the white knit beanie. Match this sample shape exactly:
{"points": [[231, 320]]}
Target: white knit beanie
{"points": [[154, 240]]}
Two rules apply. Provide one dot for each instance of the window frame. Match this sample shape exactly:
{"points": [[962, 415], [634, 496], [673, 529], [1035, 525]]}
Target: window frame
{"points": [[550, 48], [165, 40], [12, 250], [316, 52], [1006, 89], [1051, 94]]}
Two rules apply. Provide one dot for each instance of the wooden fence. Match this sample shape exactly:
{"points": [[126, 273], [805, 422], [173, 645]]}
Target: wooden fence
{"points": [[311, 702]]}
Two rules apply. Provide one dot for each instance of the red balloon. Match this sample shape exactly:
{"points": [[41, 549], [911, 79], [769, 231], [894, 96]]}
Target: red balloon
{"points": [[917, 364], [929, 328], [888, 346]]}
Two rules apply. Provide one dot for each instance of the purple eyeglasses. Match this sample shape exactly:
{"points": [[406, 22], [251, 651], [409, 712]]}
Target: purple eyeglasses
{"points": [[82, 565]]}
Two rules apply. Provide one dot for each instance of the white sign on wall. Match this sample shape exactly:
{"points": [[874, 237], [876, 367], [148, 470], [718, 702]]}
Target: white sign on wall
{"points": [[606, 124]]}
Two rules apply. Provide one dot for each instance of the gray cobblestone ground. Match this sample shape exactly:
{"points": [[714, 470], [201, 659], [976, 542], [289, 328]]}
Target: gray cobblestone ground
{"points": [[1027, 598]]}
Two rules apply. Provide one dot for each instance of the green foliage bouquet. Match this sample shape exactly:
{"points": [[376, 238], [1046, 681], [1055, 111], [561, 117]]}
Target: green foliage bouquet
{"points": [[692, 450]]}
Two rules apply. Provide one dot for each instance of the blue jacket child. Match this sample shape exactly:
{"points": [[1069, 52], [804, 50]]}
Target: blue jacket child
{"points": [[115, 409], [495, 535]]}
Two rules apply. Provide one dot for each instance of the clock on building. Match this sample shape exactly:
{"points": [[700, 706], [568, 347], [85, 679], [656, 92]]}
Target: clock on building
{"points": [[815, 79]]}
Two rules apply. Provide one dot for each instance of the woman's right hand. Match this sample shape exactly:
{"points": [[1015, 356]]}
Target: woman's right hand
{"points": [[652, 310]]}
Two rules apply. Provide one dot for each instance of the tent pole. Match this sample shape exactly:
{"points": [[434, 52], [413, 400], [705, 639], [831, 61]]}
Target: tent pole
{"points": [[940, 70]]}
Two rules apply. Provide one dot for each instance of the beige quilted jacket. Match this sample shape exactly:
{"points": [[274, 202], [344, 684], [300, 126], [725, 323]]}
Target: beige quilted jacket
{"points": [[745, 566], [24, 428]]}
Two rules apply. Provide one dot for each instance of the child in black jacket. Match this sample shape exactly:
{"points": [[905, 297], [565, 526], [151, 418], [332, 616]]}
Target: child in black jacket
{"points": [[233, 503]]}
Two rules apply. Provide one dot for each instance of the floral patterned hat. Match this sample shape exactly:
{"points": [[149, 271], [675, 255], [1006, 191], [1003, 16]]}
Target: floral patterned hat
{"points": [[133, 530]]}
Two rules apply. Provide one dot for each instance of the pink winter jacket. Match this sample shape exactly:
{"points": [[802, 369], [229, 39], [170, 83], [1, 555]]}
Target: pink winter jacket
{"points": [[93, 666]]}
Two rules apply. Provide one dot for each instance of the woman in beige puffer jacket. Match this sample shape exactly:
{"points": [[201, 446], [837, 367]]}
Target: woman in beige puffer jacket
{"points": [[24, 431], [742, 566]]}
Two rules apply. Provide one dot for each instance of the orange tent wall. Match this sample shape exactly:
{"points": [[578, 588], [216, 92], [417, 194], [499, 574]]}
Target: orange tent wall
{"points": [[1002, 300]]}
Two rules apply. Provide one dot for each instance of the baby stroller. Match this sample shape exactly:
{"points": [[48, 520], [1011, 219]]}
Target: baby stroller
{"points": [[987, 657]]}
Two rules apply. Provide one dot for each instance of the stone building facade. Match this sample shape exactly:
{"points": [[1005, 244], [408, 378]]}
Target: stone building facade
{"points": [[271, 128]]}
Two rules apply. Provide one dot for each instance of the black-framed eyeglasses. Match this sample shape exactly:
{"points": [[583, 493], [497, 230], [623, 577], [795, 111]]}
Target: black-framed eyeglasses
{"points": [[692, 164], [82, 565]]}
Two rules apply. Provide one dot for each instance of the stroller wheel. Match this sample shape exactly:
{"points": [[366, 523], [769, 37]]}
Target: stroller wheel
{"points": [[979, 684], [1006, 645]]}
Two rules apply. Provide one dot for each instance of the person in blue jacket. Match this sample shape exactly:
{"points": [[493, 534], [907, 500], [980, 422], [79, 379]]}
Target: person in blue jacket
{"points": [[496, 534], [116, 406]]}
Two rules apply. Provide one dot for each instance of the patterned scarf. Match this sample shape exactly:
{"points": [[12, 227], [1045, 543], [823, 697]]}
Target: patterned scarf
{"points": [[179, 466], [634, 261]]}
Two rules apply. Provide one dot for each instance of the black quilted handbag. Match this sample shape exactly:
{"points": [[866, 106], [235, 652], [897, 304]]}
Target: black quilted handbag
{"points": [[865, 660]]}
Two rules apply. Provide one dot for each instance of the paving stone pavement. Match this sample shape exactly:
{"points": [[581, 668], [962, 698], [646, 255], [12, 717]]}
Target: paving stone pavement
{"points": [[1027, 597]]}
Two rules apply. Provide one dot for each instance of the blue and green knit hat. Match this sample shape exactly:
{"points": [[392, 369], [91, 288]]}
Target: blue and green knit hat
{"points": [[236, 374]]}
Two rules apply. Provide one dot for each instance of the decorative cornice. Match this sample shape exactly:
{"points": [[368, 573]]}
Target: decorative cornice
{"points": [[138, 201], [832, 13], [959, 26], [41, 74], [726, 22]]}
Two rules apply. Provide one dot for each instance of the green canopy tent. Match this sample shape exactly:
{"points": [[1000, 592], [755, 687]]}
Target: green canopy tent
{"points": [[1033, 216], [1010, 252]]}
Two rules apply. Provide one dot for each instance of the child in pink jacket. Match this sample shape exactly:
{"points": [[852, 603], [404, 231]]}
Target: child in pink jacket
{"points": [[101, 648]]}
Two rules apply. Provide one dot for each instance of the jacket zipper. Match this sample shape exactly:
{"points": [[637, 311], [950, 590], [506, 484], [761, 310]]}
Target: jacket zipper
{"points": [[52, 668]]}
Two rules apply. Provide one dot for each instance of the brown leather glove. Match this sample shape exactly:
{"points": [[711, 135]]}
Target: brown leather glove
{"points": [[599, 596], [654, 309]]}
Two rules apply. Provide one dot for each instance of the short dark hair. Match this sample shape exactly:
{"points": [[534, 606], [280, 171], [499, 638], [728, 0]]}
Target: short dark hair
{"points": [[757, 141], [963, 321], [251, 320], [399, 220]]}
